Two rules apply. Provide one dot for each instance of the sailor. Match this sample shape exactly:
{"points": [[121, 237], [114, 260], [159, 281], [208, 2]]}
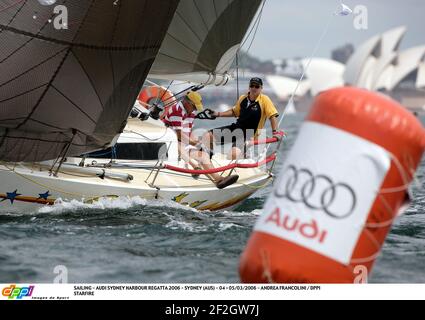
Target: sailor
{"points": [[180, 118], [251, 110]]}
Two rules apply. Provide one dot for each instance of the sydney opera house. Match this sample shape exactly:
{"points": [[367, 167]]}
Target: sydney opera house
{"points": [[377, 64]]}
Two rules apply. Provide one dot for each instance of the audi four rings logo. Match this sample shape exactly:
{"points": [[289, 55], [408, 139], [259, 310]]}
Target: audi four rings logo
{"points": [[319, 192]]}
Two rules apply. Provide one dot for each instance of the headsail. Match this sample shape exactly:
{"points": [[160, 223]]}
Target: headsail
{"points": [[203, 40], [76, 84]]}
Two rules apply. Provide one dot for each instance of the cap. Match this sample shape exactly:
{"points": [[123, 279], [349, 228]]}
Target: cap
{"points": [[256, 80], [196, 99]]}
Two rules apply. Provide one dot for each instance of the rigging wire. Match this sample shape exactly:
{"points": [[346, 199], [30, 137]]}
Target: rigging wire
{"points": [[260, 15], [254, 26], [256, 22], [166, 90], [319, 42], [176, 95]]}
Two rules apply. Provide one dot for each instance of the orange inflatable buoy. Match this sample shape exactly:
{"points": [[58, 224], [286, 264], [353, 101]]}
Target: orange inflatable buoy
{"points": [[338, 192], [156, 95]]}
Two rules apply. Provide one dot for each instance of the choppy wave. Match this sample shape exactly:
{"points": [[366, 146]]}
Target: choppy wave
{"points": [[61, 206]]}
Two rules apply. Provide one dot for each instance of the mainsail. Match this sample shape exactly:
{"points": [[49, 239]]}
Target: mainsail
{"points": [[203, 39], [73, 87]]}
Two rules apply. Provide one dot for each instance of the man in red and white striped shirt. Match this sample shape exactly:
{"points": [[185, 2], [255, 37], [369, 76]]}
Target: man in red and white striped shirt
{"points": [[180, 118]]}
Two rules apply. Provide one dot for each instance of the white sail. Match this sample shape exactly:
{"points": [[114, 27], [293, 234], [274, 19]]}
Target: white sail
{"points": [[203, 39]]}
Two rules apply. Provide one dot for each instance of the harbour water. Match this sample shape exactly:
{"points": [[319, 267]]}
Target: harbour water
{"points": [[139, 241]]}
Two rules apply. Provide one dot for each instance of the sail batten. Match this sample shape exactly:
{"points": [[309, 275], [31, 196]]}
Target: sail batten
{"points": [[77, 85]]}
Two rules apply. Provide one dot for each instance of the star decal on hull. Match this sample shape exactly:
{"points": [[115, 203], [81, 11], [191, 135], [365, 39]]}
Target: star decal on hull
{"points": [[11, 196], [44, 196]]}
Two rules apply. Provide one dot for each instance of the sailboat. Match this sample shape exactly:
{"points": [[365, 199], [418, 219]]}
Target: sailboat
{"points": [[66, 96]]}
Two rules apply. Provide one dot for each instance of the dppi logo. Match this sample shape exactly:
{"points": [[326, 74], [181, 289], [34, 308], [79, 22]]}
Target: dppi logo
{"points": [[16, 292], [317, 192]]}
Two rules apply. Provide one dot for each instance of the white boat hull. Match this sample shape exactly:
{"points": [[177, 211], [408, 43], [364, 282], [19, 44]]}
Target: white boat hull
{"points": [[28, 186], [25, 187]]}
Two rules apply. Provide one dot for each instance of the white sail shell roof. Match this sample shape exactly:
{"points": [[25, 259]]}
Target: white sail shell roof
{"points": [[368, 62], [390, 40], [323, 74], [355, 66], [384, 79], [380, 75], [420, 80], [283, 87], [367, 73], [408, 61]]}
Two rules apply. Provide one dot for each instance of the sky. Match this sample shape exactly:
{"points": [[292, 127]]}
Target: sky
{"points": [[292, 28]]}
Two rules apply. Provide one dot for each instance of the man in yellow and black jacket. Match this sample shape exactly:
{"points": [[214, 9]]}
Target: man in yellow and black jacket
{"points": [[251, 110]]}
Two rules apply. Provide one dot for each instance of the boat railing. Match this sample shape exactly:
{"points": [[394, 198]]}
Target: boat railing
{"points": [[223, 168], [232, 166]]}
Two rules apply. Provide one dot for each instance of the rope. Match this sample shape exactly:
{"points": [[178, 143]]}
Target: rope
{"points": [[380, 195], [100, 154], [145, 137], [43, 185]]}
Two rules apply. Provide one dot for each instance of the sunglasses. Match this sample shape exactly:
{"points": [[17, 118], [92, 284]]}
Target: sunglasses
{"points": [[256, 86]]}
